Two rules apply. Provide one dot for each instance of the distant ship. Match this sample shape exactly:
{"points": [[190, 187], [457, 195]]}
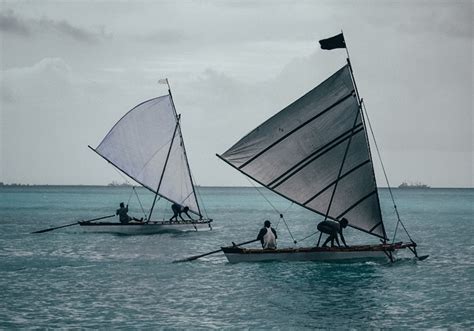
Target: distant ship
{"points": [[417, 185]]}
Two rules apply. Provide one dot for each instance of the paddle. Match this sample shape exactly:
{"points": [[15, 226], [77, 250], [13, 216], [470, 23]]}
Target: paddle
{"points": [[195, 257], [75, 223]]}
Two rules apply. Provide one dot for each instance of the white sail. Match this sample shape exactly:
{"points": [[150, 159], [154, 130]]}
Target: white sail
{"points": [[298, 153], [139, 143]]}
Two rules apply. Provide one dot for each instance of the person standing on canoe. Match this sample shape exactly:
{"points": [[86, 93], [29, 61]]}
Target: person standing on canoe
{"points": [[333, 228], [178, 210], [267, 236], [123, 216]]}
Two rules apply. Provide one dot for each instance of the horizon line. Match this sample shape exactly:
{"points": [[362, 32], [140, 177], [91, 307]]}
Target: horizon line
{"points": [[205, 186]]}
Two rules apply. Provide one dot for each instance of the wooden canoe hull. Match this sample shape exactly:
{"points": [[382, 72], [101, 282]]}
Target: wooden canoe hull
{"points": [[237, 254], [145, 228]]}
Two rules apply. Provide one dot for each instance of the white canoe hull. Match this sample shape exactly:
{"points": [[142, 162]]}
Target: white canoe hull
{"points": [[353, 253], [146, 228]]}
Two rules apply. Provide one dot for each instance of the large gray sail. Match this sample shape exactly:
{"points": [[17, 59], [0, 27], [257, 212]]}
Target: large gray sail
{"points": [[138, 145], [298, 153]]}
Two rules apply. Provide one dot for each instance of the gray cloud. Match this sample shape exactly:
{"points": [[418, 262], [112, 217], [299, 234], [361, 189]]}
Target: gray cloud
{"points": [[6, 95], [10, 22], [232, 65], [66, 29], [168, 36], [46, 77], [421, 17]]}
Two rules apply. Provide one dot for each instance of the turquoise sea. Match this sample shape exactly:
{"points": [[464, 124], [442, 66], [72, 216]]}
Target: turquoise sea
{"points": [[69, 279]]}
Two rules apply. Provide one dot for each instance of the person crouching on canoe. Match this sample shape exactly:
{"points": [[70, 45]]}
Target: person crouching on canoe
{"points": [[333, 228], [267, 236], [123, 216], [178, 210]]}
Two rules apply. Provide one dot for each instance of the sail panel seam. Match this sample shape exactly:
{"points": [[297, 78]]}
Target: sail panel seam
{"points": [[296, 129], [357, 203], [375, 226], [280, 194], [125, 115], [313, 157], [138, 181], [334, 181], [294, 201]]}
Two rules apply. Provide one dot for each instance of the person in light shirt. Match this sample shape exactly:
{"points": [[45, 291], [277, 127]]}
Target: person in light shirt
{"points": [[267, 236]]}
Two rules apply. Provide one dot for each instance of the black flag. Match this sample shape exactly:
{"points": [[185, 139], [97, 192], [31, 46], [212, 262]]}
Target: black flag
{"points": [[333, 42]]}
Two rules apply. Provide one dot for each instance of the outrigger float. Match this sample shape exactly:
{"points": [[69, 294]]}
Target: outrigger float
{"points": [[153, 227], [316, 153]]}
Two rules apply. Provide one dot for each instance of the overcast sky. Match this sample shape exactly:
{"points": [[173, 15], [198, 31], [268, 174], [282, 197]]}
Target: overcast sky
{"points": [[71, 69]]}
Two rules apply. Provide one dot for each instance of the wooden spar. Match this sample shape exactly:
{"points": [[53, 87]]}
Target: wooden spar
{"points": [[342, 165], [292, 200], [362, 107], [136, 180], [195, 257], [184, 149], [164, 167], [361, 104], [75, 223]]}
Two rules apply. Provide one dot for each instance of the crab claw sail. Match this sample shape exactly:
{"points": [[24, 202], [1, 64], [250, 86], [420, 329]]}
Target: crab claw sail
{"points": [[139, 144], [315, 153]]}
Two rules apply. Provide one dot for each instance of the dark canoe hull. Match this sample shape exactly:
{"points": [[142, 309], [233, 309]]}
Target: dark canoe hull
{"points": [[145, 228], [363, 252]]}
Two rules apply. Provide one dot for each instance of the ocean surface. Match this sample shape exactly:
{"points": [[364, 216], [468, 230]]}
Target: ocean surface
{"points": [[69, 279]]}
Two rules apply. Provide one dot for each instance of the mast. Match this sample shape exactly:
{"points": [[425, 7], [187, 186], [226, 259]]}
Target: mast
{"points": [[164, 167], [360, 102], [342, 165], [184, 148]]}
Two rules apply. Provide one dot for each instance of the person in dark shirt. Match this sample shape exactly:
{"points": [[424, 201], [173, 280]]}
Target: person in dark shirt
{"points": [[333, 228], [267, 236], [123, 215], [178, 210]]}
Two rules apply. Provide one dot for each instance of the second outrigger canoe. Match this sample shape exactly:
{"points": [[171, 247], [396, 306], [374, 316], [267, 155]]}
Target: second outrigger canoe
{"points": [[147, 145]]}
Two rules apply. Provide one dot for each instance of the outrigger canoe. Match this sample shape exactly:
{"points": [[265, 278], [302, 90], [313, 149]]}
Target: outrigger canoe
{"points": [[361, 252]]}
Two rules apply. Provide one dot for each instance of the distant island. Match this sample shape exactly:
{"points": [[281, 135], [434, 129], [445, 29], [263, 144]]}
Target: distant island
{"points": [[14, 184], [115, 184], [417, 185]]}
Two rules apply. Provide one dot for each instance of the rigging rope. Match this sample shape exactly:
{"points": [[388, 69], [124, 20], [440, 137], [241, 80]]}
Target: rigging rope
{"points": [[291, 205], [274, 208], [385, 175], [198, 194], [121, 175], [132, 191], [309, 236], [130, 197], [141, 206], [126, 181]]}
